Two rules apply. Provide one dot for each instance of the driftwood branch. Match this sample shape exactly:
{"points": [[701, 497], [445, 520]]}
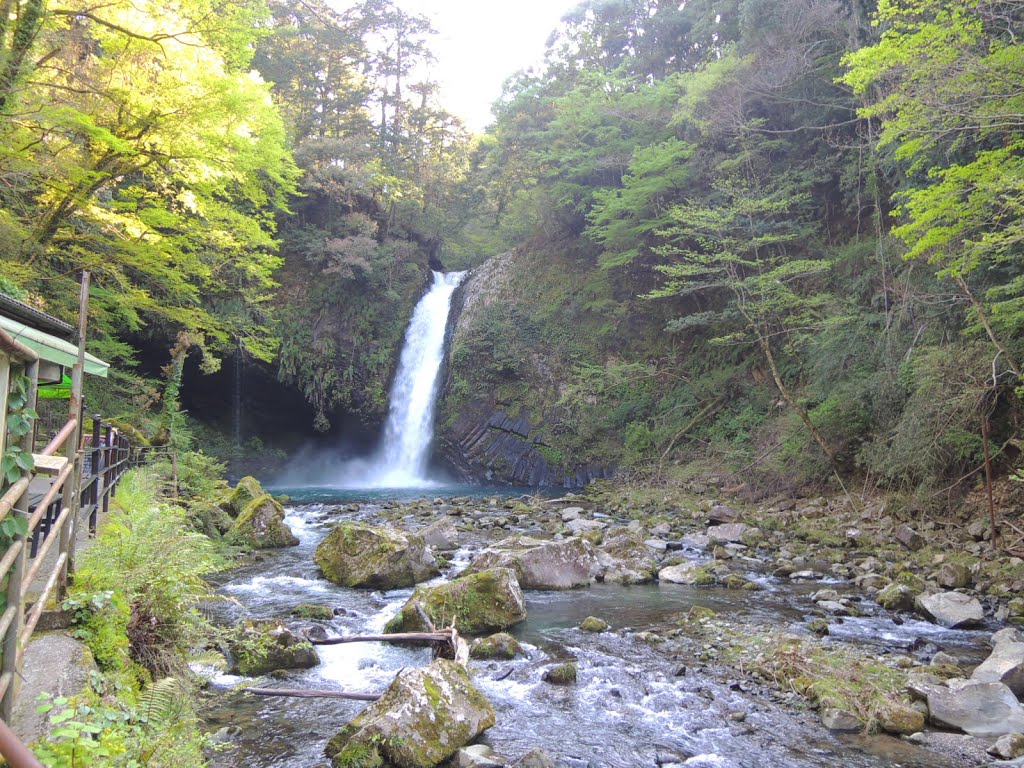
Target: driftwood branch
{"points": [[397, 637], [300, 694]]}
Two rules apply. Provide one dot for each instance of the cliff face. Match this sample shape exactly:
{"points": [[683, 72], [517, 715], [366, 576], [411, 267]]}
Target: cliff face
{"points": [[513, 409]]}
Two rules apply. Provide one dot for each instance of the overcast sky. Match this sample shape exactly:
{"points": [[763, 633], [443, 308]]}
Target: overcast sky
{"points": [[480, 43]]}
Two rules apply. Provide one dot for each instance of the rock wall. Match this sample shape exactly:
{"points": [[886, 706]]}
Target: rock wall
{"points": [[499, 414]]}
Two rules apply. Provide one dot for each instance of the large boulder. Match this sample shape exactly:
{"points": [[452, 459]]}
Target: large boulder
{"points": [[209, 519], [244, 494], [689, 573], [727, 533], [261, 526], [422, 719], [1005, 664], [355, 555], [540, 564], [980, 709], [476, 603], [627, 560], [441, 534], [951, 609], [258, 647]]}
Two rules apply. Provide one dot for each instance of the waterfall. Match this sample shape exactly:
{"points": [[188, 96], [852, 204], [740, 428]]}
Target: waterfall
{"points": [[403, 456]]}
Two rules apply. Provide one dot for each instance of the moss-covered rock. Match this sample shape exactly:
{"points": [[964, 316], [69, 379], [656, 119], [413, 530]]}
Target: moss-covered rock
{"points": [[422, 719], [594, 624], [901, 719], [355, 555], [897, 597], [261, 526], [498, 646], [313, 611], [209, 519], [540, 564], [627, 559], [735, 581], [561, 674], [260, 647], [475, 603], [244, 494]]}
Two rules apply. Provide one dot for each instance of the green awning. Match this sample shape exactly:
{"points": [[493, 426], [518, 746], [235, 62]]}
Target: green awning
{"points": [[51, 348], [58, 391]]}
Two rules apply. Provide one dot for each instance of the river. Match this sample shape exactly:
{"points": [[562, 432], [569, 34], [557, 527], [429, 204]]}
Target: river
{"points": [[630, 706]]}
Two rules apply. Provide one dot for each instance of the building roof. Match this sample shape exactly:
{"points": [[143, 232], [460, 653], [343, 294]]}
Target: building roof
{"points": [[29, 315], [47, 336]]}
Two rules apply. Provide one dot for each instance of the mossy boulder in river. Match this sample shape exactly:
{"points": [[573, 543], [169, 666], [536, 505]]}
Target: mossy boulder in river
{"points": [[422, 719], [261, 526], [244, 494], [499, 646], [476, 603], [378, 558], [627, 559], [540, 564], [259, 647]]}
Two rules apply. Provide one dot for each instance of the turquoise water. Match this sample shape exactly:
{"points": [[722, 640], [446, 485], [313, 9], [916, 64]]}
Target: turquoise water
{"points": [[327, 494]]}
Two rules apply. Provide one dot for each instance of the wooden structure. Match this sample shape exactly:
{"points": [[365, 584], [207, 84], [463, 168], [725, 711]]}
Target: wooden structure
{"points": [[44, 506]]}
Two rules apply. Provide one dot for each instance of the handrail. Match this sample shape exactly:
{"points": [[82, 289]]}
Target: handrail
{"points": [[60, 438], [16, 753]]}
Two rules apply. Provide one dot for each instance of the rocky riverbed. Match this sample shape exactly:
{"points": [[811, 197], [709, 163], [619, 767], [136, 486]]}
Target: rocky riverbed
{"points": [[725, 634]]}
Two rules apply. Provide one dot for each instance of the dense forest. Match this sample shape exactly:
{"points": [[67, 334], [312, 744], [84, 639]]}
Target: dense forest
{"points": [[775, 239]]}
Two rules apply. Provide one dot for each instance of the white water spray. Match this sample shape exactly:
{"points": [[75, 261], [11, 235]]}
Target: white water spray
{"points": [[402, 462]]}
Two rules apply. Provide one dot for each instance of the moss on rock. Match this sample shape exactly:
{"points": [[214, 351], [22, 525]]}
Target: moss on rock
{"points": [[562, 674], [261, 526], [498, 646], [422, 719], [355, 555], [244, 494], [475, 603]]}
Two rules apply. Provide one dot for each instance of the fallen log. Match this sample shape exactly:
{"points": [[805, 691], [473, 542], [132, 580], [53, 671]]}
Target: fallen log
{"points": [[300, 694], [397, 637]]}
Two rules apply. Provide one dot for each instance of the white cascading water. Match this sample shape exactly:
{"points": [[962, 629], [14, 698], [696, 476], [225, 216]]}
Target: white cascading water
{"points": [[402, 461]]}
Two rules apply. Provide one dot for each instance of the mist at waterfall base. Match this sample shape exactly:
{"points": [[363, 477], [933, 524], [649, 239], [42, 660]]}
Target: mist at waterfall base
{"points": [[401, 462]]}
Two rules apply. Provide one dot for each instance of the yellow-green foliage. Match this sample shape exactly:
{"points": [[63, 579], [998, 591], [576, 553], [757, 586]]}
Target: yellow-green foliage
{"points": [[152, 563]]}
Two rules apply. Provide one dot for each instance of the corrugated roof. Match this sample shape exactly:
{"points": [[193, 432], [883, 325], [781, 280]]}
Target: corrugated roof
{"points": [[31, 316]]}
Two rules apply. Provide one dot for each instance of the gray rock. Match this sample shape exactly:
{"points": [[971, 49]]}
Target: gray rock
{"points": [[536, 758], [658, 545], [1008, 747], [355, 555], [540, 564], [953, 576], [261, 646], [580, 525], [721, 514], [476, 603], [943, 659], [476, 756], [1004, 665], [627, 560], [571, 513], [441, 534], [951, 609], [422, 719], [980, 709], [661, 530], [908, 537], [689, 573], [727, 532], [840, 720]]}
